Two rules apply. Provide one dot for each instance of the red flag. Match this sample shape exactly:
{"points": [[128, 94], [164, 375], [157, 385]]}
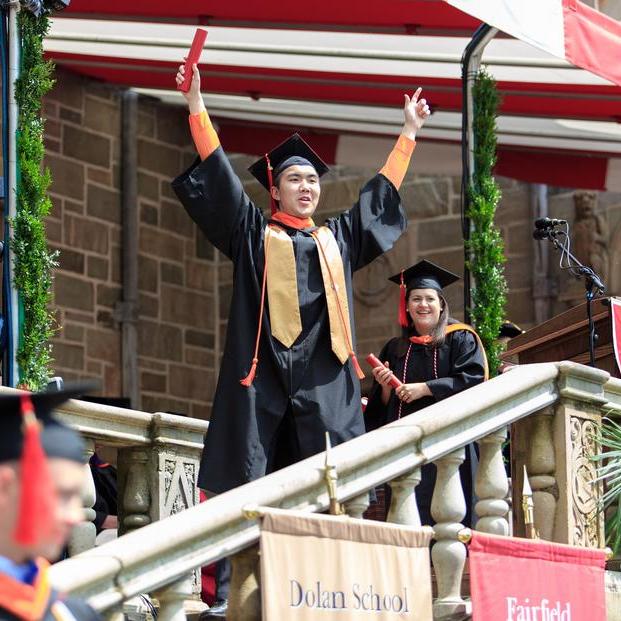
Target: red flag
{"points": [[526, 580], [615, 313]]}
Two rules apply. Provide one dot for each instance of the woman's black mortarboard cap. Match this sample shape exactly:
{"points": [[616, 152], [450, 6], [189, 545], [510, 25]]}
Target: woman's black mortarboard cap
{"points": [[291, 152], [425, 275]]}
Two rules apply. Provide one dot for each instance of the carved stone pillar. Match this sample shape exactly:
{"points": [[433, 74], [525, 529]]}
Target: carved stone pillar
{"points": [[172, 599], [492, 485], [83, 535], [448, 508], [134, 492], [557, 445], [173, 471], [578, 521], [245, 592], [355, 507], [403, 508]]}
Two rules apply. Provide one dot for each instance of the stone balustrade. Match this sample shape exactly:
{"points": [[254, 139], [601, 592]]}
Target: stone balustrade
{"points": [[159, 557]]}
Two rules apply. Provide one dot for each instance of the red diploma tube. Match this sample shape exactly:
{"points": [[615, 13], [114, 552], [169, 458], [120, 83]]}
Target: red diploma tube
{"points": [[375, 362], [193, 56]]}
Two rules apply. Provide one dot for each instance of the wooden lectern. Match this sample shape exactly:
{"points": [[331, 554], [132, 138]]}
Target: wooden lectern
{"points": [[566, 337]]}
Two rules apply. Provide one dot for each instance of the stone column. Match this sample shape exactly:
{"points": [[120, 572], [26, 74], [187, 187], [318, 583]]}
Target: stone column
{"points": [[83, 535], [134, 493], [172, 599], [492, 485], [448, 508], [403, 508], [245, 593], [355, 507]]}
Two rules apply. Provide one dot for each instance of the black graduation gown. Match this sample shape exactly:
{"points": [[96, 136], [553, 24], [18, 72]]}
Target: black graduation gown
{"points": [[460, 365], [307, 380], [106, 493]]}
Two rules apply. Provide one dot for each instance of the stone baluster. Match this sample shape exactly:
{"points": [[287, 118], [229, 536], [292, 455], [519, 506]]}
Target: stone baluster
{"points": [[83, 535], [448, 508], [541, 467], [134, 489], [403, 508], [355, 507], [492, 485], [172, 599], [245, 592]]}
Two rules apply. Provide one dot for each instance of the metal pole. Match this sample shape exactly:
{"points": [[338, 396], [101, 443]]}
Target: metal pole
{"points": [[470, 63], [127, 311], [13, 302]]}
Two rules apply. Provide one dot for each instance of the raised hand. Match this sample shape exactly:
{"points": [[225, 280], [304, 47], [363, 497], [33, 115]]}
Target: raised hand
{"points": [[193, 95], [415, 113]]}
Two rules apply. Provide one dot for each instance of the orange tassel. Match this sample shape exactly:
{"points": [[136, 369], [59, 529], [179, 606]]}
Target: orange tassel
{"points": [[403, 317], [247, 381], [357, 368], [37, 500]]}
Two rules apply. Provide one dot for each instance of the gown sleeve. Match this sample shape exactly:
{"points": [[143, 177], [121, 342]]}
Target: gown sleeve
{"points": [[214, 197], [467, 367], [376, 413]]}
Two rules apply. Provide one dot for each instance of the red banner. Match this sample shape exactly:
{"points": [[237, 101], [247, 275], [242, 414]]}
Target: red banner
{"points": [[530, 580], [615, 313]]}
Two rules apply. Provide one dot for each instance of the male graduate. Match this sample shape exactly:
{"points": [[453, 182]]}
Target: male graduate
{"points": [[41, 480], [289, 371]]}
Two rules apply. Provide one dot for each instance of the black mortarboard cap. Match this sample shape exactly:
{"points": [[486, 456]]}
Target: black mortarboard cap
{"points": [[425, 275], [57, 439], [508, 329], [291, 152]]}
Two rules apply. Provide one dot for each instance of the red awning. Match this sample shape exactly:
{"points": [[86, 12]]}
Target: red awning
{"points": [[339, 69]]}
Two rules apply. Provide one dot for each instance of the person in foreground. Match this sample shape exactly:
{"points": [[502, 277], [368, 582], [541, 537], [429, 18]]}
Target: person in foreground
{"points": [[41, 480], [435, 358], [289, 372]]}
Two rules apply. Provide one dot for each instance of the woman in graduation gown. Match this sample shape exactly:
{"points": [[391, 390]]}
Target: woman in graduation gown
{"points": [[435, 358]]}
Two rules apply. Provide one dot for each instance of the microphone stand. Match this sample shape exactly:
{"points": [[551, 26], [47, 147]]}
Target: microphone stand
{"points": [[592, 282]]}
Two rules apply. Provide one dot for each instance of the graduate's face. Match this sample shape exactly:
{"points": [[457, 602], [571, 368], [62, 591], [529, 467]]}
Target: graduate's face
{"points": [[298, 191], [424, 308], [68, 478]]}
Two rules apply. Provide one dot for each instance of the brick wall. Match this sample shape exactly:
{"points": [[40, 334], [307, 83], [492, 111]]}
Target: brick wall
{"points": [[185, 286]]}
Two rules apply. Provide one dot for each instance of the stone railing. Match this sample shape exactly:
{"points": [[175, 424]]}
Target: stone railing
{"points": [[160, 558], [158, 458]]}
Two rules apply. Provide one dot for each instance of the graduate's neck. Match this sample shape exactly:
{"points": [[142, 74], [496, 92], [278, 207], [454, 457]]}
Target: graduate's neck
{"points": [[295, 222]]}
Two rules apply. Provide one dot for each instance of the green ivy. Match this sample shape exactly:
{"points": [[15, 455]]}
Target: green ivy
{"points": [[486, 247], [34, 263]]}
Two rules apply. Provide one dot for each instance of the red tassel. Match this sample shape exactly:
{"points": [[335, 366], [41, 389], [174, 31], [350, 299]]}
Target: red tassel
{"points": [[270, 182], [403, 316], [247, 381], [357, 368], [37, 497]]}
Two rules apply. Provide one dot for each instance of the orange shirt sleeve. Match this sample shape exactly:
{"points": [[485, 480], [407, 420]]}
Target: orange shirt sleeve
{"points": [[204, 135], [398, 161]]}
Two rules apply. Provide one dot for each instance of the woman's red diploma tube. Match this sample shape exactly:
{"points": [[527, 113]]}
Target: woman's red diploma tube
{"points": [[375, 362]]}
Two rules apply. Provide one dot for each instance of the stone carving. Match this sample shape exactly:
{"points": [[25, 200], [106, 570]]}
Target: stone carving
{"points": [[590, 243], [587, 530], [179, 484]]}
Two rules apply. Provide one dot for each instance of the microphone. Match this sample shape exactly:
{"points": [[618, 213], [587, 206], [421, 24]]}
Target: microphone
{"points": [[542, 234], [548, 223]]}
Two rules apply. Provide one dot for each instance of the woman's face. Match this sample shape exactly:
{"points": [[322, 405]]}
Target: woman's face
{"points": [[424, 307]]}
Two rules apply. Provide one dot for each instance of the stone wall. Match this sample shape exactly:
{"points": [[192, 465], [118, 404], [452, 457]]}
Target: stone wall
{"points": [[177, 275], [185, 286]]}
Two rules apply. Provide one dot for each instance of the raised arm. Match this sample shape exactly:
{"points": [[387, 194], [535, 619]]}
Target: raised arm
{"points": [[415, 113], [376, 221], [211, 192]]}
